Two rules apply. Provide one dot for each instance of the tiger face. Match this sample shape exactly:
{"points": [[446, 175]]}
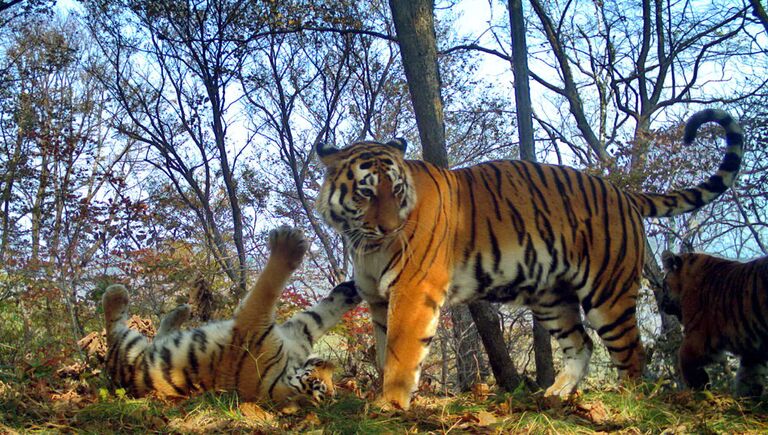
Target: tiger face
{"points": [[314, 380], [674, 279], [368, 194]]}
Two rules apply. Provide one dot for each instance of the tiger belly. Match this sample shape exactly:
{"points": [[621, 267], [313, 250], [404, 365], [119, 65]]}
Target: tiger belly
{"points": [[506, 279], [187, 361]]}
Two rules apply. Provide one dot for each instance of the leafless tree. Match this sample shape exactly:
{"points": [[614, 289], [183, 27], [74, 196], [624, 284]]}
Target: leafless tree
{"points": [[174, 76]]}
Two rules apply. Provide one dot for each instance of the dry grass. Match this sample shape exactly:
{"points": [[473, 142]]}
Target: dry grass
{"points": [[82, 405]]}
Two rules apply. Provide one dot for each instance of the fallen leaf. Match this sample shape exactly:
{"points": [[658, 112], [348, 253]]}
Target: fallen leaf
{"points": [[252, 411], [481, 391], [311, 420], [594, 412], [504, 408], [485, 418], [674, 430]]}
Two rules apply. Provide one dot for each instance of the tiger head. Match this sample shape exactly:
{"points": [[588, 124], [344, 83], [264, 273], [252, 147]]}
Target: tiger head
{"points": [[368, 191], [674, 284], [313, 381]]}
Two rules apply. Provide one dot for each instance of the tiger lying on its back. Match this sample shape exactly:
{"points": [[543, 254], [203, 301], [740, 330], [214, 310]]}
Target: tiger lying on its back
{"points": [[549, 237], [249, 354], [723, 306]]}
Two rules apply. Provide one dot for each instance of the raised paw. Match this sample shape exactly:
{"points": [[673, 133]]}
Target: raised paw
{"points": [[173, 320], [115, 302], [349, 291], [288, 245]]}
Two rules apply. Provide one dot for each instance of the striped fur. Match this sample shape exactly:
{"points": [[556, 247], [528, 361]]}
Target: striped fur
{"points": [[249, 353], [723, 306], [550, 237]]}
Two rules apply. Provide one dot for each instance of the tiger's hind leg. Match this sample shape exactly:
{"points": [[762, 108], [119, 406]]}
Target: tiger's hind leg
{"points": [[693, 356], [124, 345], [172, 321], [287, 247], [115, 303], [562, 319], [749, 378], [613, 317]]}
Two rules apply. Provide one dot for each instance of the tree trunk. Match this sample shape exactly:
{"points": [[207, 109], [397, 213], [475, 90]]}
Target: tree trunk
{"points": [[542, 345], [759, 12], [415, 27], [7, 194], [542, 354], [414, 24], [201, 298], [470, 364], [487, 319]]}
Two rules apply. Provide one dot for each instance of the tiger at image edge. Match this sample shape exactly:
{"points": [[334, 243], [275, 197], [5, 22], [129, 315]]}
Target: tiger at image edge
{"points": [[723, 306], [249, 354], [546, 236]]}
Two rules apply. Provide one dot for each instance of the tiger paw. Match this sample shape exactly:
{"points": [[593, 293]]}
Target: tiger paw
{"points": [[288, 245], [560, 391], [348, 290], [390, 405], [115, 302], [289, 408], [173, 320]]}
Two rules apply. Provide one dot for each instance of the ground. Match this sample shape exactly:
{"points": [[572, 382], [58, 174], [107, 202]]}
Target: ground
{"points": [[78, 401]]}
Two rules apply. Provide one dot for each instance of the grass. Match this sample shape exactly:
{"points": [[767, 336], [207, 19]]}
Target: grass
{"points": [[74, 406]]}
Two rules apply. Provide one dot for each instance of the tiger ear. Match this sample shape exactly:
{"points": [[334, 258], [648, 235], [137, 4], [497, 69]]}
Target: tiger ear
{"points": [[671, 261], [326, 152], [327, 365], [398, 143], [319, 363]]}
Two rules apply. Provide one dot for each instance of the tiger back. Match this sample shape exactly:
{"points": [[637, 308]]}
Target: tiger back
{"points": [[550, 237], [249, 354], [723, 306]]}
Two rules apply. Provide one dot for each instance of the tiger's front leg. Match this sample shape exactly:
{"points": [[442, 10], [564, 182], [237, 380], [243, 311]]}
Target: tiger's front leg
{"points": [[413, 317], [379, 318]]}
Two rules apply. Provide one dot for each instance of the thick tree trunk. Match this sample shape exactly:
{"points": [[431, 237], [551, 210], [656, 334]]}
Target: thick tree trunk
{"points": [[414, 24], [415, 27], [487, 319], [542, 353], [759, 12], [542, 345]]}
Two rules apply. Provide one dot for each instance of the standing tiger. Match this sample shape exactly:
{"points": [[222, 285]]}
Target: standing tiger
{"points": [[723, 306], [546, 236], [249, 353]]}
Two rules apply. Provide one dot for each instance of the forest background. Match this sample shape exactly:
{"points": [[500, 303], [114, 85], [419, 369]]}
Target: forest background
{"points": [[155, 143]]}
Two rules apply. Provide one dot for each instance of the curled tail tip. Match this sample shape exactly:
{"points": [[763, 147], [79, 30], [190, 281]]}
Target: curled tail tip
{"points": [[732, 128]]}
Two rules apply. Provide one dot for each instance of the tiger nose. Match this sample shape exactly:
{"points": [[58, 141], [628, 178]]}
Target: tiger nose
{"points": [[388, 227]]}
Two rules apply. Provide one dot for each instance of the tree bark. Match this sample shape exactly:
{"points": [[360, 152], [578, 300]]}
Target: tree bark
{"points": [[9, 179], [470, 364], [414, 24], [759, 12], [415, 27], [542, 345], [487, 319]]}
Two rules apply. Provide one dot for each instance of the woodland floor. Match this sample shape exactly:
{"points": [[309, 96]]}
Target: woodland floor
{"points": [[60, 402]]}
